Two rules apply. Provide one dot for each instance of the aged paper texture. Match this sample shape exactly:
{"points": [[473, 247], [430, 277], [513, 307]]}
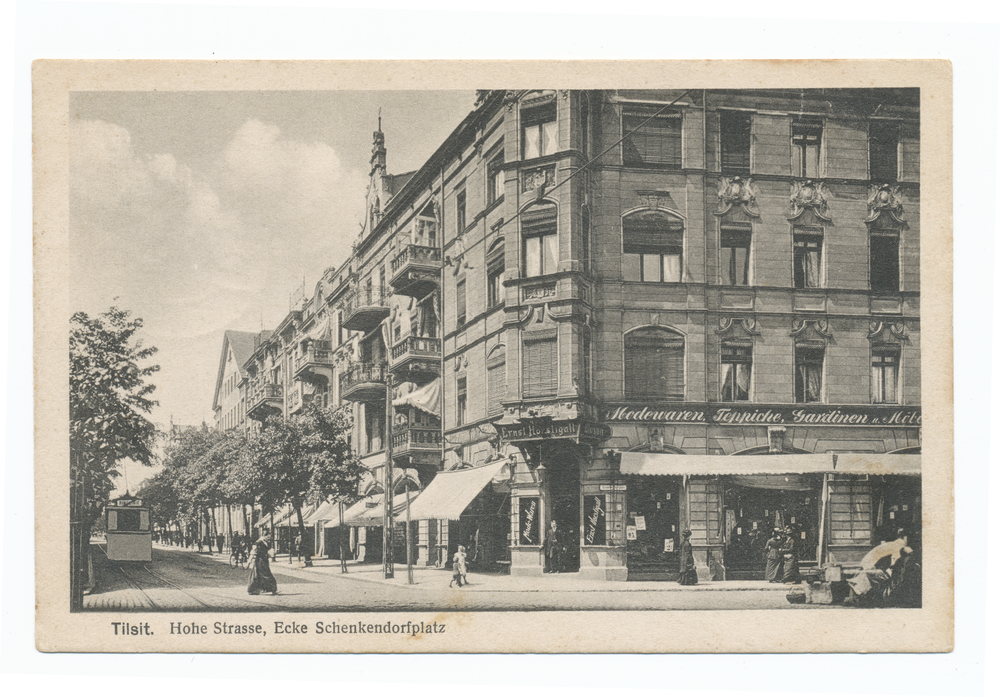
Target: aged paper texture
{"points": [[528, 328]]}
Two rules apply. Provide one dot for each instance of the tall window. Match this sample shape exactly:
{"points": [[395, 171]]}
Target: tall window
{"points": [[808, 257], [374, 425], [737, 364], [885, 375], [494, 179], [540, 366], [809, 374], [883, 251], [494, 274], [883, 147], [460, 302], [653, 247], [735, 257], [461, 415], [460, 211], [539, 129], [496, 379], [541, 245], [652, 141], [806, 139], [850, 511], [734, 139], [585, 364], [425, 228], [654, 364]]}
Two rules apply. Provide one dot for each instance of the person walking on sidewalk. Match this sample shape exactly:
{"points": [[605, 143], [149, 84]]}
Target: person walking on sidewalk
{"points": [[458, 567], [296, 550], [261, 578], [688, 574], [790, 559]]}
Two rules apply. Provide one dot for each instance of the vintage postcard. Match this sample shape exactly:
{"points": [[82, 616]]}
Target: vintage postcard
{"points": [[493, 356]]}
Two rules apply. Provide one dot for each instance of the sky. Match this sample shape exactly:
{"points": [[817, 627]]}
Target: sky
{"points": [[206, 211]]}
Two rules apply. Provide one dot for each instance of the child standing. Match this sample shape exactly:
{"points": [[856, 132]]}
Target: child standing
{"points": [[458, 567]]}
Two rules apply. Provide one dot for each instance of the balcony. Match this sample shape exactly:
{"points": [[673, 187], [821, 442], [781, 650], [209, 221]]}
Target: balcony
{"points": [[315, 365], [264, 400], [416, 270], [420, 445], [416, 359], [365, 309], [363, 382]]}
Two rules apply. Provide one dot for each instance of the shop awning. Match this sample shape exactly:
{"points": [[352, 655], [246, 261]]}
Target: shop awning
{"points": [[872, 463], [450, 493], [367, 513], [326, 511], [694, 465]]}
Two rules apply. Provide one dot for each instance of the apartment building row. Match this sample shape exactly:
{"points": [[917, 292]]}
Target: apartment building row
{"points": [[631, 312]]}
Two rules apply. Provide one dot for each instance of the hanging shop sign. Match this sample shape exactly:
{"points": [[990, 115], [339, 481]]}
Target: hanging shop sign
{"points": [[544, 429], [764, 414], [527, 524], [613, 487], [595, 520]]}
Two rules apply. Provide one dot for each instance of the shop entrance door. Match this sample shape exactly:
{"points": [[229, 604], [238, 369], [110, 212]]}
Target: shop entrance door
{"points": [[755, 505], [564, 499], [653, 534]]}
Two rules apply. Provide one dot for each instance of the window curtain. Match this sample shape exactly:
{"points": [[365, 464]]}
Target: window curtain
{"points": [[809, 267], [735, 381], [811, 381]]}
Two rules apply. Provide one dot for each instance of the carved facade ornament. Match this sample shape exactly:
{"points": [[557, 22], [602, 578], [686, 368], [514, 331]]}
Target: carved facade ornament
{"points": [[811, 329], [736, 191], [539, 292], [656, 199], [887, 332], [746, 325], [510, 99], [809, 195], [541, 177], [884, 199]]}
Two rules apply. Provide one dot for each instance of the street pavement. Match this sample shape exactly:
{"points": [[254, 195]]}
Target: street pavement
{"points": [[184, 580]]}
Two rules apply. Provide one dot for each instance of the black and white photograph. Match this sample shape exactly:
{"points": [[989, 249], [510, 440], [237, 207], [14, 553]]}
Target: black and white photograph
{"points": [[349, 362]]}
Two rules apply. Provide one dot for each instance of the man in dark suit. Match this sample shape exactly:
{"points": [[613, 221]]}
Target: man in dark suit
{"points": [[554, 548]]}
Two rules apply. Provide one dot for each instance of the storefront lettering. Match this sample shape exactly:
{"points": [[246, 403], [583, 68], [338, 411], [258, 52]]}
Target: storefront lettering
{"points": [[596, 533], [528, 521], [767, 415], [541, 430]]}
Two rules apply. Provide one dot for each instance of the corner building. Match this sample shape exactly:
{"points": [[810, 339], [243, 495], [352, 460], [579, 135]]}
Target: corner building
{"points": [[632, 313]]}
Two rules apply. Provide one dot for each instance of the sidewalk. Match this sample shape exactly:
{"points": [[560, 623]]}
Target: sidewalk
{"points": [[430, 578]]}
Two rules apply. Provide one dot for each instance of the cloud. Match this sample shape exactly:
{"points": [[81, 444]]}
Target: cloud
{"points": [[193, 251]]}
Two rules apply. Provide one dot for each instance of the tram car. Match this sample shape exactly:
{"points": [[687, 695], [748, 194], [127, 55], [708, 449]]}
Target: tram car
{"points": [[129, 532]]}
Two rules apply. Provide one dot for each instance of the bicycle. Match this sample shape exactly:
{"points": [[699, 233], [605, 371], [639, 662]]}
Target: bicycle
{"points": [[237, 558]]}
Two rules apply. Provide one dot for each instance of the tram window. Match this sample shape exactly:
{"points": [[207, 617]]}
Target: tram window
{"points": [[128, 521]]}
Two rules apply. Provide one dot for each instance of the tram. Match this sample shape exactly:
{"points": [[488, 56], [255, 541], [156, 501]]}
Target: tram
{"points": [[129, 532]]}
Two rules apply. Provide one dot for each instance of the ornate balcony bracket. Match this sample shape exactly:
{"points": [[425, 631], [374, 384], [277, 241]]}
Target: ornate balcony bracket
{"points": [[736, 191], [812, 196], [884, 198]]}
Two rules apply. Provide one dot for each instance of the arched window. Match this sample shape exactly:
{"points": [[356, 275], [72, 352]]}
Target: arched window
{"points": [[652, 247], [541, 243], [496, 380], [654, 364], [494, 274]]}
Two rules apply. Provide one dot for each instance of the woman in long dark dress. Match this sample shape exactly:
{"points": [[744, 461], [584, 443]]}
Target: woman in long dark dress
{"points": [[790, 556], [261, 578], [772, 552], [688, 574]]}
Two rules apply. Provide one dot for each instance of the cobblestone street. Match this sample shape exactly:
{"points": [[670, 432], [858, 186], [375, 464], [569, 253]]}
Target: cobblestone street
{"points": [[184, 580]]}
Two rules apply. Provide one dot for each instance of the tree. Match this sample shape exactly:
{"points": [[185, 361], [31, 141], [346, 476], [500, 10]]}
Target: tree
{"points": [[109, 400]]}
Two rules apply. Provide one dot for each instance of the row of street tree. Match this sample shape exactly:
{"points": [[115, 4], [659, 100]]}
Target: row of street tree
{"points": [[304, 459]]}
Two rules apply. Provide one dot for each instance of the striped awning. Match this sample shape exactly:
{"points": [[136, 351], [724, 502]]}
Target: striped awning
{"points": [[878, 464], [368, 512], [694, 465]]}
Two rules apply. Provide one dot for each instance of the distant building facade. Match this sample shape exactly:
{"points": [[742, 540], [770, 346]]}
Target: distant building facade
{"points": [[641, 312]]}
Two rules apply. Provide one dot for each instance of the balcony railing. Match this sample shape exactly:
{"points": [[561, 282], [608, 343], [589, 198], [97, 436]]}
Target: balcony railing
{"points": [[263, 400], [407, 440], [416, 359], [314, 364], [415, 270], [363, 382], [365, 308], [416, 347]]}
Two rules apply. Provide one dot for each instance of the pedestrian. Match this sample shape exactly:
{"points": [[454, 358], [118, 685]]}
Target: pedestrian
{"points": [[296, 549], [554, 548], [458, 567], [261, 578], [789, 557], [688, 574], [772, 553], [904, 583]]}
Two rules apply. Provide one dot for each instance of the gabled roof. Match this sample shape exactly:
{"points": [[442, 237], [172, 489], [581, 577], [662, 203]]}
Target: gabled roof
{"points": [[242, 345]]}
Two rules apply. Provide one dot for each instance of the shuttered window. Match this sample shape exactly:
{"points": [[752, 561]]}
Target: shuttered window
{"points": [[850, 512], [734, 137], [540, 366], [655, 141], [496, 378], [654, 364], [705, 506], [653, 247]]}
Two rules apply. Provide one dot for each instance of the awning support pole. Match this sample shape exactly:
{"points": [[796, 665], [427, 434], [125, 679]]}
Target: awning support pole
{"points": [[824, 497]]}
